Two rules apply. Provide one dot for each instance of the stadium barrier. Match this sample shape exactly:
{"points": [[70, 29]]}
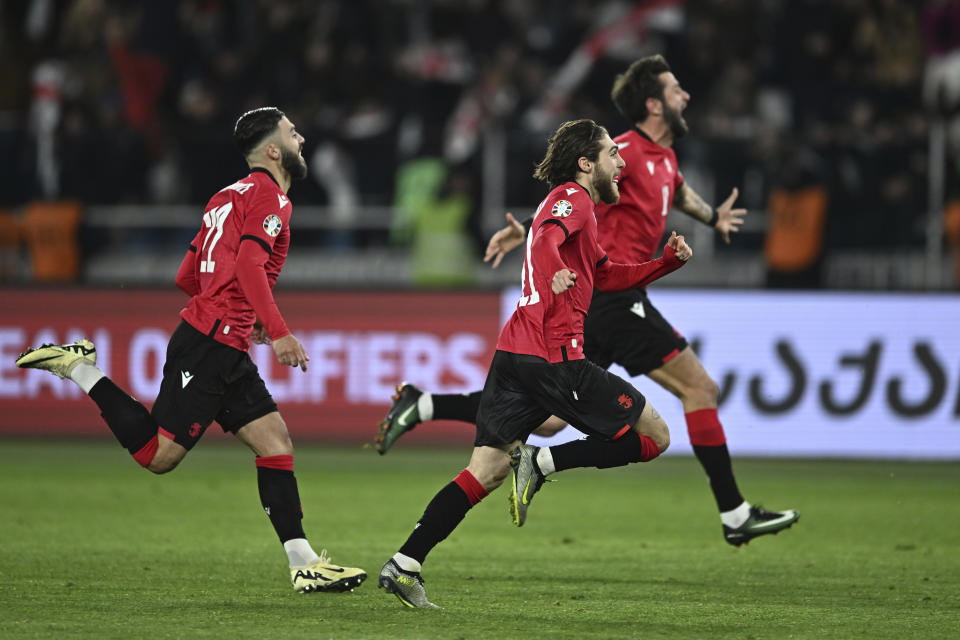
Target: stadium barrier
{"points": [[800, 374]]}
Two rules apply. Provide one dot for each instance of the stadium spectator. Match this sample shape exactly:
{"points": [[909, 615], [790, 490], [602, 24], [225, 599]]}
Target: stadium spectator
{"points": [[624, 327], [228, 272], [826, 58], [539, 366]]}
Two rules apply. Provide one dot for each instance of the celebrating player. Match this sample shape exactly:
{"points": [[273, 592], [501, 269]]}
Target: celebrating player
{"points": [[624, 327], [539, 367], [228, 272]]}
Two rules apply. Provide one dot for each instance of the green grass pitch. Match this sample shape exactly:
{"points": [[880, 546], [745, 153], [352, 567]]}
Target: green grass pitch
{"points": [[93, 546]]}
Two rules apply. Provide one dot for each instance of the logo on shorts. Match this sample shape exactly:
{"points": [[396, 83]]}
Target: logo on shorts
{"points": [[195, 429], [561, 209], [625, 401], [272, 225]]}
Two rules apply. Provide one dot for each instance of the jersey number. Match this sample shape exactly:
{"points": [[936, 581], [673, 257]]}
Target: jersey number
{"points": [[666, 201], [214, 220], [527, 274]]}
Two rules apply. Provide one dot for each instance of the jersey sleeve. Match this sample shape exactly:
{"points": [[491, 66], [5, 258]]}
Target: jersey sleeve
{"points": [[545, 251], [278, 256], [187, 279], [266, 218], [252, 277], [613, 276], [569, 213]]}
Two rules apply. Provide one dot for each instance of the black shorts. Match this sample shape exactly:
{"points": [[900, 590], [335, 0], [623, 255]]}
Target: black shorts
{"points": [[623, 327], [205, 380], [522, 391]]}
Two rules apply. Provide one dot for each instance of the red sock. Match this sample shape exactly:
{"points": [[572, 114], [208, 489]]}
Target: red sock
{"points": [[471, 486], [704, 428], [144, 456]]}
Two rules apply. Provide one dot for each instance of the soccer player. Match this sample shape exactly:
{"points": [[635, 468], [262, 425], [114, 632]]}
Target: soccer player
{"points": [[539, 366], [624, 327], [228, 272]]}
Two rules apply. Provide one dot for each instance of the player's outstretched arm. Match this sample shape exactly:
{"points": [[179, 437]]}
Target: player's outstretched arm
{"points": [[613, 276], [728, 219], [504, 241]]}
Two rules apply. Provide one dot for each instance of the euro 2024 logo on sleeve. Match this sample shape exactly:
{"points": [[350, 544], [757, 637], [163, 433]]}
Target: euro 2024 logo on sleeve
{"points": [[562, 209], [272, 225]]}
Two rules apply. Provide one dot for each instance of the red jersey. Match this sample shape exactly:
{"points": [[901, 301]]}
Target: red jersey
{"points": [[564, 236], [235, 260], [631, 230]]}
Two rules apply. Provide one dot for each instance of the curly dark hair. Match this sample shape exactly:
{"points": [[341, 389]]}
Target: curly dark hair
{"points": [[573, 140], [640, 81]]}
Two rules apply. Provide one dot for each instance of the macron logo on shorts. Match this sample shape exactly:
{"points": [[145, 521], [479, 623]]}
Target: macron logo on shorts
{"points": [[185, 378]]}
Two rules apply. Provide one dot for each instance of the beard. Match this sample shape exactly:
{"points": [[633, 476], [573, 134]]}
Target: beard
{"points": [[605, 187], [674, 120], [293, 164]]}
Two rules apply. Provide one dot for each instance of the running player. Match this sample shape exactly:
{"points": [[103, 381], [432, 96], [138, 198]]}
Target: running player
{"points": [[624, 327], [539, 366], [228, 272]]}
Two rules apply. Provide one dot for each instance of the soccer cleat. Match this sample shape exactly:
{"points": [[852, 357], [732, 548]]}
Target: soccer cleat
{"points": [[761, 522], [58, 359], [402, 417], [406, 585], [321, 575], [527, 480]]}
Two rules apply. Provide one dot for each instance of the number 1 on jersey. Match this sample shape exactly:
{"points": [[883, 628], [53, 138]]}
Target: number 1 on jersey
{"points": [[527, 276], [214, 219]]}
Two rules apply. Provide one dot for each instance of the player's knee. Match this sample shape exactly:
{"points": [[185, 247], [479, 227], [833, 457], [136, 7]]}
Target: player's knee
{"points": [[705, 391], [662, 439], [160, 467], [168, 456], [656, 430], [491, 474], [280, 446], [550, 427]]}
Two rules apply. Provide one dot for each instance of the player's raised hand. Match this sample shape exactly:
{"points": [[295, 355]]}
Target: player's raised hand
{"points": [[728, 218], [504, 241], [290, 352], [563, 280], [679, 245]]}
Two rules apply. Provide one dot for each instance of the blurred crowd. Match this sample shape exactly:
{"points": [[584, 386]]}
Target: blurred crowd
{"points": [[118, 101]]}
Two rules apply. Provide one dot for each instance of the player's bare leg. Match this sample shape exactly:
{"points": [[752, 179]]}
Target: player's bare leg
{"points": [[268, 438], [685, 377]]}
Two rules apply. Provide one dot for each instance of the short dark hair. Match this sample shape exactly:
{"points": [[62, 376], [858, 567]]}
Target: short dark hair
{"points": [[640, 81], [573, 140], [254, 126]]}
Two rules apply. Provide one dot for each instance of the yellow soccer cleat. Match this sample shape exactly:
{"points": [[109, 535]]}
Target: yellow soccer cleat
{"points": [[321, 575], [59, 359]]}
